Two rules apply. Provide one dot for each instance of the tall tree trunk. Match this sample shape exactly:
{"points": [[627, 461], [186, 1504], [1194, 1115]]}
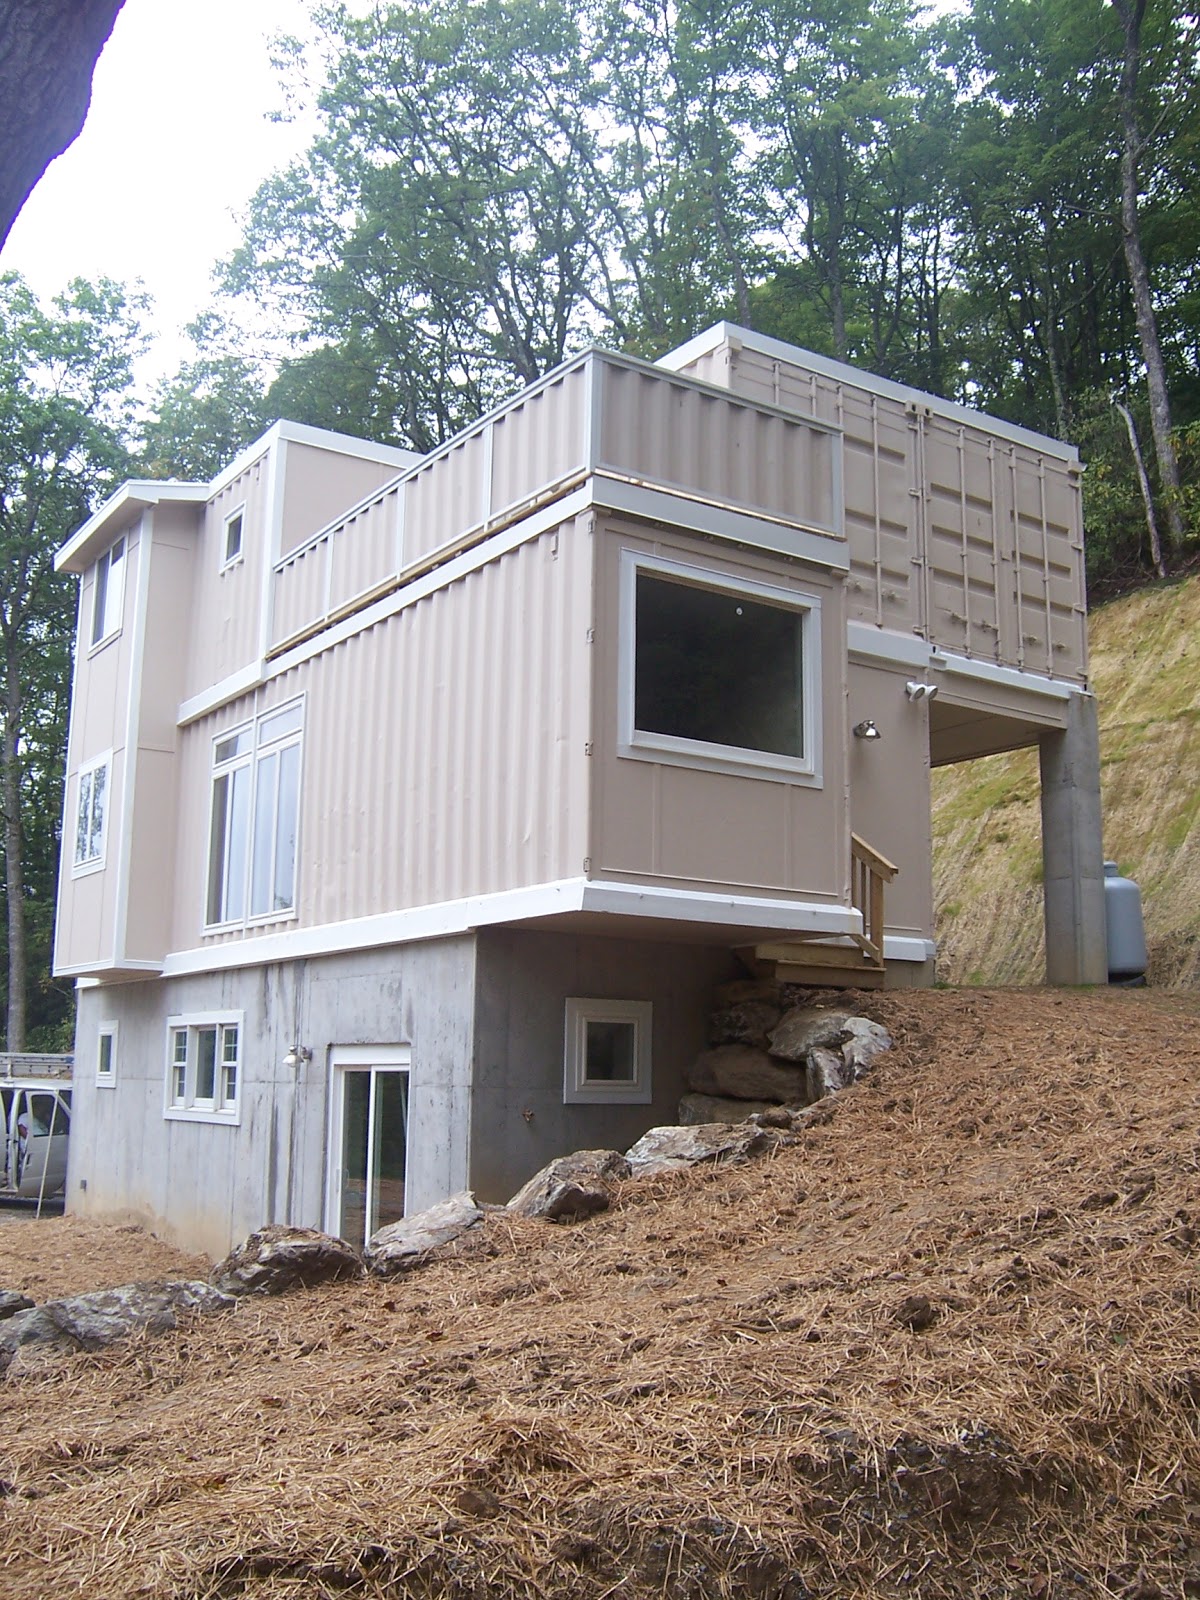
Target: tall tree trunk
{"points": [[14, 877], [1131, 13], [1156, 554]]}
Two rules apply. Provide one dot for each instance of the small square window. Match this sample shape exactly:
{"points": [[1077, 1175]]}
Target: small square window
{"points": [[607, 1053], [233, 538], [106, 1055]]}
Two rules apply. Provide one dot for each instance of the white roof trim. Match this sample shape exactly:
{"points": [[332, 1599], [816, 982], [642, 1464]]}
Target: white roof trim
{"points": [[841, 372]]}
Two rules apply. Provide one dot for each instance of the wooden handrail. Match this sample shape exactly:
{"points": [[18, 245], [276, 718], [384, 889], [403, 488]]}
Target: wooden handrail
{"points": [[869, 872]]}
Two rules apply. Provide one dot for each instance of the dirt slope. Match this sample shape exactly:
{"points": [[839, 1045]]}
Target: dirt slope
{"points": [[1145, 654], [945, 1345]]}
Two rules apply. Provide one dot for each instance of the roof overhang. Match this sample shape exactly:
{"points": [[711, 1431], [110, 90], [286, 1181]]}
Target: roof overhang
{"points": [[119, 511]]}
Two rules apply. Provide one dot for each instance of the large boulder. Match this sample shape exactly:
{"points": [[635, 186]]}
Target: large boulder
{"points": [[806, 1028], [827, 1073], [105, 1316], [743, 1072], [12, 1301], [574, 1186], [275, 1259], [673, 1149], [401, 1246], [868, 1040], [744, 1022], [697, 1108]]}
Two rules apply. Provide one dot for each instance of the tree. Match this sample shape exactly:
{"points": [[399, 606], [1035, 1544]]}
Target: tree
{"points": [[64, 411], [48, 50], [213, 407]]}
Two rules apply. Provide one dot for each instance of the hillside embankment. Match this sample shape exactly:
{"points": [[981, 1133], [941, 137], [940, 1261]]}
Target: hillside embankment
{"points": [[1145, 662], [944, 1344]]}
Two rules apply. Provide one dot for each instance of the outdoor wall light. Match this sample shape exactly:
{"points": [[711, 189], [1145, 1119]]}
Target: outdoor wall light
{"points": [[866, 730], [920, 691], [298, 1054]]}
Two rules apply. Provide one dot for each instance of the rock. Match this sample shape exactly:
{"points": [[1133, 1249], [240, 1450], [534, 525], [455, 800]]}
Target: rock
{"points": [[805, 1028], [276, 1258], [698, 1108], [777, 1117], [918, 1312], [674, 1149], [743, 989], [574, 1186], [402, 1245], [741, 1072], [12, 1301], [867, 1041], [746, 1022], [92, 1321], [827, 1073]]}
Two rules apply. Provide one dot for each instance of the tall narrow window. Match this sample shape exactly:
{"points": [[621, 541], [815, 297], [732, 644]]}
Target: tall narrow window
{"points": [[233, 538], [106, 1055], [90, 810], [108, 598], [255, 817]]}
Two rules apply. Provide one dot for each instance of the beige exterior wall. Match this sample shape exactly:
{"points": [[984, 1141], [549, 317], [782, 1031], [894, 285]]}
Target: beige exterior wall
{"points": [[968, 535], [223, 607], [724, 832]]}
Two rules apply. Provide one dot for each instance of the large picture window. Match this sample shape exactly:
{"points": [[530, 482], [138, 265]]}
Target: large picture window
{"points": [[91, 810], [717, 673], [255, 814], [204, 1067]]}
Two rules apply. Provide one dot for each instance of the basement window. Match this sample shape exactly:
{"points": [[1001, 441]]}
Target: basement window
{"points": [[607, 1055], [106, 1056], [204, 1067], [718, 672]]}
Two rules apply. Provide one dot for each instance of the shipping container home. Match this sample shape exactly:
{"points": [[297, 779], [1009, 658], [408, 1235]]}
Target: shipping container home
{"points": [[415, 806]]}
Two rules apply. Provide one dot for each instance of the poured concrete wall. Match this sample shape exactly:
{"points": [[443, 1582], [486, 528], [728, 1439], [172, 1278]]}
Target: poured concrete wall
{"points": [[519, 1119], [207, 1185]]}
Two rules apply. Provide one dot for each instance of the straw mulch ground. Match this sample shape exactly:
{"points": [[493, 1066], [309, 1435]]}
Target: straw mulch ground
{"points": [[946, 1345]]}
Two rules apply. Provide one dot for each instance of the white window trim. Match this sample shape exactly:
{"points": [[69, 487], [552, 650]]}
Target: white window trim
{"points": [[640, 745], [193, 1110], [577, 1090], [90, 864], [251, 761], [228, 561], [114, 612], [106, 1080]]}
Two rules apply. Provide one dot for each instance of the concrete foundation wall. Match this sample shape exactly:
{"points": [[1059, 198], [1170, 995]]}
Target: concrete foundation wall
{"points": [[207, 1185], [519, 1119]]}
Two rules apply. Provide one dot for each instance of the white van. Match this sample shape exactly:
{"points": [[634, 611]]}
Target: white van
{"points": [[35, 1122]]}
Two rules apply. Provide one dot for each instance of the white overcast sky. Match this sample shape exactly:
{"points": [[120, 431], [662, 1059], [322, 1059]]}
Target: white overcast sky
{"points": [[177, 139]]}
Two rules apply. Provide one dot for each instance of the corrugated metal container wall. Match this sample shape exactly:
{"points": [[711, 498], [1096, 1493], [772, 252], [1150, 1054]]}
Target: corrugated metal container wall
{"points": [[540, 441], [670, 433], [342, 565], [443, 747], [226, 596], [956, 533]]}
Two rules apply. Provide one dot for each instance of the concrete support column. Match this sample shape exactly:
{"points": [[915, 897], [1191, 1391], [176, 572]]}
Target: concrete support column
{"points": [[1073, 848]]}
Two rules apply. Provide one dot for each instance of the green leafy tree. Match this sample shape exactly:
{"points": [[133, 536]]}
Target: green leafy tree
{"points": [[64, 414], [210, 409]]}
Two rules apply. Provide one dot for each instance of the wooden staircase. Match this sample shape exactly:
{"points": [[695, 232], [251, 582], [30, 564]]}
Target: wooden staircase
{"points": [[847, 961]]}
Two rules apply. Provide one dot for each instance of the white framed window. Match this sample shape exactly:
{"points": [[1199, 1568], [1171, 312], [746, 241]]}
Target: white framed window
{"points": [[91, 811], [254, 819], [203, 1078], [108, 592], [231, 544], [718, 671], [606, 1059], [106, 1055]]}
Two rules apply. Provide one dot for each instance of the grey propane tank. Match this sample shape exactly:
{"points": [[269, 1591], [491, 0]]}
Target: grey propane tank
{"points": [[1125, 933]]}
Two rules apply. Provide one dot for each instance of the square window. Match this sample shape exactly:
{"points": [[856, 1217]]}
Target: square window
{"points": [[106, 1055], [607, 1052], [716, 673]]}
